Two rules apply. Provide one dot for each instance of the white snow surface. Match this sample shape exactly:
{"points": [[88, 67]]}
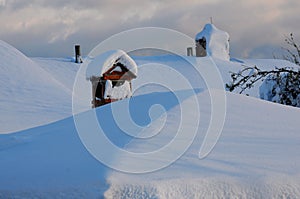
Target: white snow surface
{"points": [[117, 92], [217, 42], [28, 91], [257, 155]]}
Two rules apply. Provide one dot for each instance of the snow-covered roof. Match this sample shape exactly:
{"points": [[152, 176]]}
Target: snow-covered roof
{"points": [[103, 62], [217, 41], [269, 160]]}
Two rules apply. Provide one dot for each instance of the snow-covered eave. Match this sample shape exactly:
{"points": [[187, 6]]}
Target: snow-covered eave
{"points": [[103, 62]]}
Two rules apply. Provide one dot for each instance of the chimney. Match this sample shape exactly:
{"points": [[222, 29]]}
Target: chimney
{"points": [[189, 51], [77, 54]]}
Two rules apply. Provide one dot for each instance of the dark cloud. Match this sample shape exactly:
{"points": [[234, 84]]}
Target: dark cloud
{"points": [[78, 4]]}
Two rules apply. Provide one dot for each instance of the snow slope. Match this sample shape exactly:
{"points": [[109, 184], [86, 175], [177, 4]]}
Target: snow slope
{"points": [[257, 156], [62, 69], [28, 84], [184, 67], [27, 92]]}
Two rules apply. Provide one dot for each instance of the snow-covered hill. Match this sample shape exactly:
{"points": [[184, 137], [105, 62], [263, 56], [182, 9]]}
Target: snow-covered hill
{"points": [[257, 155], [62, 69], [29, 95]]}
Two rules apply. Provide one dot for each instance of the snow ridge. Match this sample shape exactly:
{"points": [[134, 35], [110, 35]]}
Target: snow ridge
{"points": [[28, 91]]}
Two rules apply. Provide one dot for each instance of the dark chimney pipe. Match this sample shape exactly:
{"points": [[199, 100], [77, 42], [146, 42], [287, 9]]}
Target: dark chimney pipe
{"points": [[77, 54]]}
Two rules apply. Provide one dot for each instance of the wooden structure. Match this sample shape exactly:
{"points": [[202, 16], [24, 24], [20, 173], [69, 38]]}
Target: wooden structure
{"points": [[117, 74]]}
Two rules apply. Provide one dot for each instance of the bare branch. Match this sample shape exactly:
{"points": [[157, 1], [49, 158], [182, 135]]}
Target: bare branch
{"points": [[244, 80], [294, 52]]}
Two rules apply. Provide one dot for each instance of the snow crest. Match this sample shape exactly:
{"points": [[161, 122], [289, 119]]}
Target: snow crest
{"points": [[27, 92]]}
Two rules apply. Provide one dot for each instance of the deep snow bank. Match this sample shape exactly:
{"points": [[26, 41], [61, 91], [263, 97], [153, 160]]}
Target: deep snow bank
{"points": [[257, 156], [39, 89], [29, 95], [62, 69]]}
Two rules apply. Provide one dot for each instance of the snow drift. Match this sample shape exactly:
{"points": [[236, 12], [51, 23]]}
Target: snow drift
{"points": [[27, 92], [257, 155]]}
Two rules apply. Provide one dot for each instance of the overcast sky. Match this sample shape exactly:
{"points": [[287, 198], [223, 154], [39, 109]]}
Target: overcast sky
{"points": [[51, 27]]}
